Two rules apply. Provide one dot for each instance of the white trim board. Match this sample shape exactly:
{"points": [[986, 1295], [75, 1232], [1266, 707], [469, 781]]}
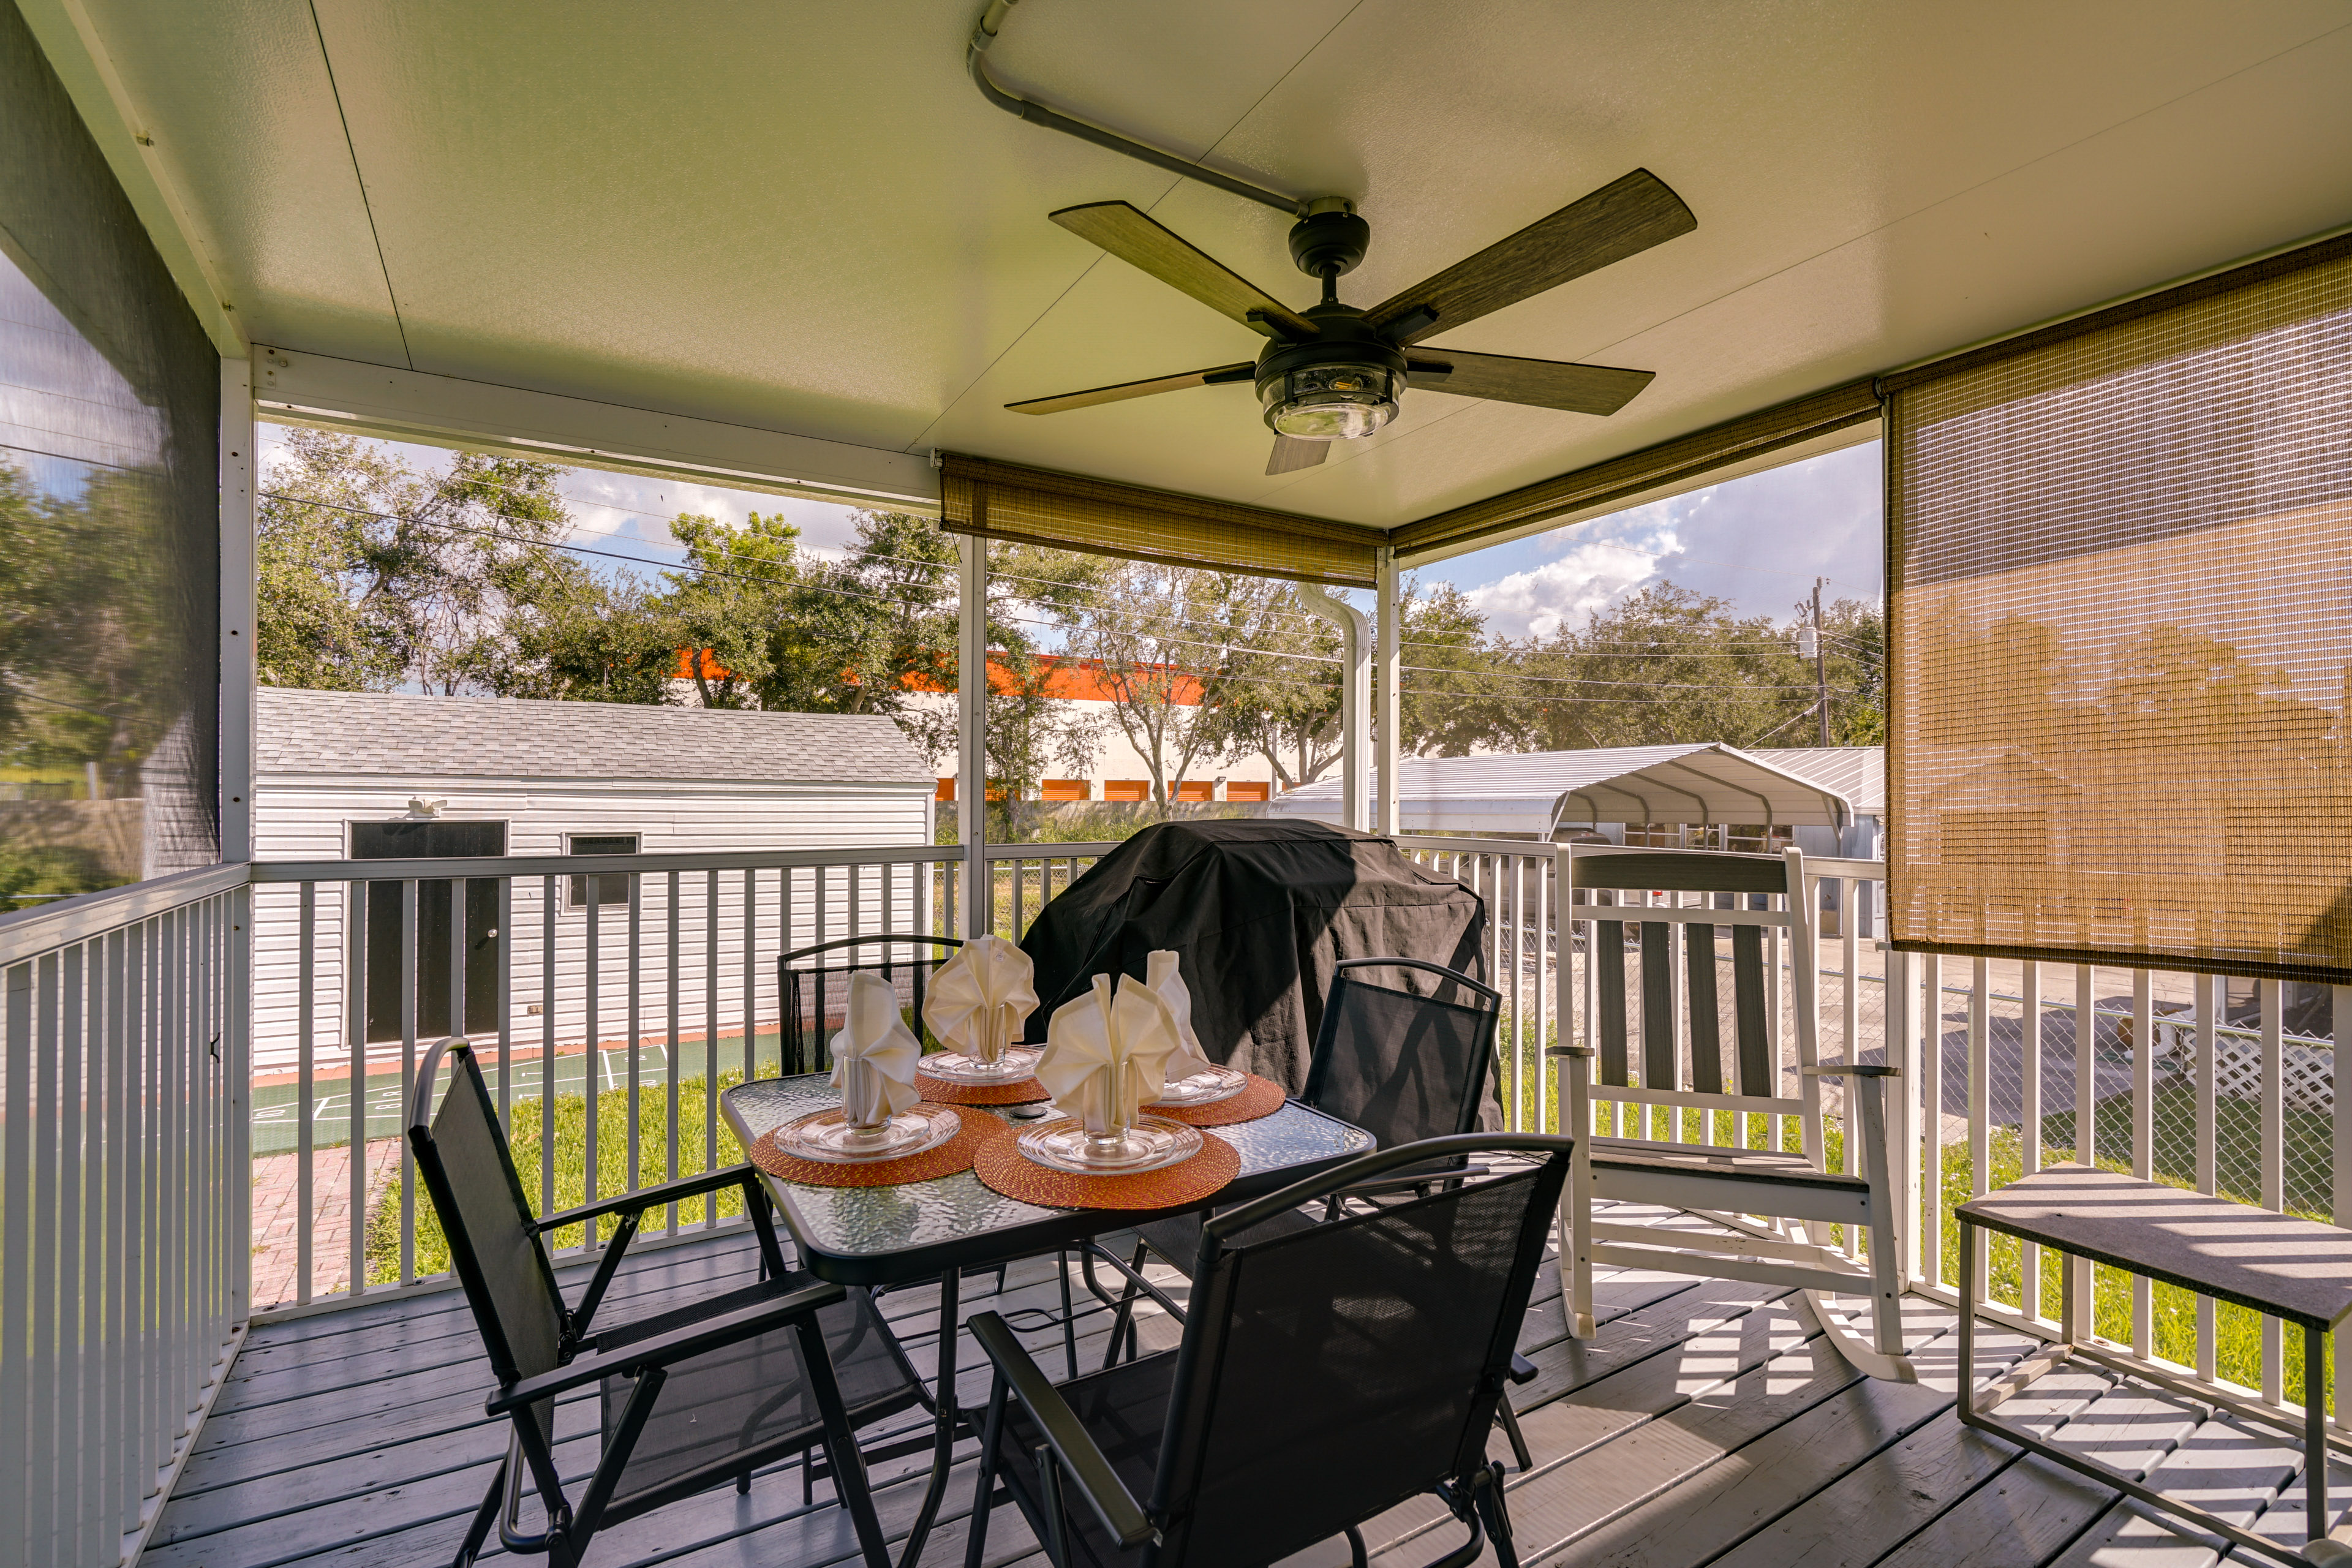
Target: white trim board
{"points": [[296, 388]]}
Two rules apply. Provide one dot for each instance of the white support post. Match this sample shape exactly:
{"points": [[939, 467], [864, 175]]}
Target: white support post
{"points": [[1388, 690], [971, 763], [239, 671], [1355, 702]]}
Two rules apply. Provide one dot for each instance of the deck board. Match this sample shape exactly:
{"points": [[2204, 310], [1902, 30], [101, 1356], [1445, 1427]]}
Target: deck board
{"points": [[1707, 1423]]}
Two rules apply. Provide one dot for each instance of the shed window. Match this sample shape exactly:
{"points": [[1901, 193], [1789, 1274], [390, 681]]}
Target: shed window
{"points": [[612, 888]]}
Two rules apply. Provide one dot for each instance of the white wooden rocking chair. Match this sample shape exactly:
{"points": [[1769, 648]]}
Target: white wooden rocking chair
{"points": [[1770, 1211]]}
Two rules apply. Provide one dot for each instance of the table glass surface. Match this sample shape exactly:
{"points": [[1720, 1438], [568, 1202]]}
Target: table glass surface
{"points": [[869, 1221]]}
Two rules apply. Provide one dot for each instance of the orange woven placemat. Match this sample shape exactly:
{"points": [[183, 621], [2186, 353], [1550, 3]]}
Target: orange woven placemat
{"points": [[1001, 1167], [1259, 1097], [939, 1091], [955, 1154]]}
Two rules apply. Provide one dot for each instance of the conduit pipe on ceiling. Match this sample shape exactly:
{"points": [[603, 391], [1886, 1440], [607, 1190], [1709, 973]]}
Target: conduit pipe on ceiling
{"points": [[991, 21], [1355, 702]]}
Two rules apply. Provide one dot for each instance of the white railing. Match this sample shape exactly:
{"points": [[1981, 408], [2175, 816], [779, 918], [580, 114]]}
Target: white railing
{"points": [[638, 984], [123, 1224], [138, 1115]]}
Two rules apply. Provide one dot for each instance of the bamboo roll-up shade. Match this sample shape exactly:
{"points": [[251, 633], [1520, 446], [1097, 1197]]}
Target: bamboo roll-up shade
{"points": [[1069, 512], [2120, 598]]}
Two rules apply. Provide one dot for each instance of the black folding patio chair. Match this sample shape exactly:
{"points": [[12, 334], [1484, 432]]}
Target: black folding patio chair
{"points": [[688, 1398], [810, 979], [1405, 1069], [1328, 1371]]}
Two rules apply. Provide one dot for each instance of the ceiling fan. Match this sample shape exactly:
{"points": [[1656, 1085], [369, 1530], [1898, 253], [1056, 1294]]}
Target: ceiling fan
{"points": [[1335, 372]]}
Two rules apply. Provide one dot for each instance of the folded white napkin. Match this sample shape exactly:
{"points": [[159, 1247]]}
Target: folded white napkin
{"points": [[979, 999], [873, 1055], [1107, 1053], [1162, 974]]}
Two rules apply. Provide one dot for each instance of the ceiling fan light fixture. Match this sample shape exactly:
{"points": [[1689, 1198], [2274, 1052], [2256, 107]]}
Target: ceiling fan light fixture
{"points": [[1330, 401]]}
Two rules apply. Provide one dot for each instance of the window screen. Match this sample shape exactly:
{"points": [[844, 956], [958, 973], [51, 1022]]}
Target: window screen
{"points": [[109, 521], [2120, 576]]}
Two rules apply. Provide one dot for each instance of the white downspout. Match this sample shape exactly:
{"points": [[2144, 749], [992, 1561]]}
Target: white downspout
{"points": [[971, 736], [1386, 688], [1355, 702]]}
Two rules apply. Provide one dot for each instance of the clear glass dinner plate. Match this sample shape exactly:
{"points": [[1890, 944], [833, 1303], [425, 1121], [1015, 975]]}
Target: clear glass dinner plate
{"points": [[1153, 1143], [827, 1136]]}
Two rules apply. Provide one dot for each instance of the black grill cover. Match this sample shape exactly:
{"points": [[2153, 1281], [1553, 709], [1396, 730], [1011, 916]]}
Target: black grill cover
{"points": [[1259, 913]]}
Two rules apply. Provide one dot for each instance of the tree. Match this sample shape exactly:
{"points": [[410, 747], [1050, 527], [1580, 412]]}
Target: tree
{"points": [[575, 636], [1276, 688], [1152, 634], [1457, 689], [371, 574]]}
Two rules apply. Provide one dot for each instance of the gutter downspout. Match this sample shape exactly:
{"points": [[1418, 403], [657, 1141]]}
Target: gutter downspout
{"points": [[1388, 690], [992, 22], [1355, 702]]}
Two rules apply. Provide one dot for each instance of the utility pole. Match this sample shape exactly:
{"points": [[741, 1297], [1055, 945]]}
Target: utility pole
{"points": [[1820, 665]]}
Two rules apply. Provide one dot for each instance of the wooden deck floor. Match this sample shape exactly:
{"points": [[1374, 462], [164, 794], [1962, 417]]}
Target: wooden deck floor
{"points": [[1706, 1425]]}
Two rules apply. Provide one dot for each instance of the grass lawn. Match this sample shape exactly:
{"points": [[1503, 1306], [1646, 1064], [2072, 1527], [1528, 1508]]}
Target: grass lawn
{"points": [[571, 1168]]}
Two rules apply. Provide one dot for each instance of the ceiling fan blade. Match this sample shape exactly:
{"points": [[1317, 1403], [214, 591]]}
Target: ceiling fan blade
{"points": [[1139, 241], [1216, 375], [1622, 218], [1290, 455], [1537, 383]]}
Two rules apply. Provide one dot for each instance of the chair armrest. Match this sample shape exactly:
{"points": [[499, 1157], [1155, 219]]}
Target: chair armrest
{"points": [[1522, 1369], [690, 1340], [1852, 1069], [651, 1197], [1559, 1051], [1072, 1445]]}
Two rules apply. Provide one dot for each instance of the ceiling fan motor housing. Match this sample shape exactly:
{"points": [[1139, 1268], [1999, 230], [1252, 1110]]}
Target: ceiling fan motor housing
{"points": [[1340, 384], [1330, 241]]}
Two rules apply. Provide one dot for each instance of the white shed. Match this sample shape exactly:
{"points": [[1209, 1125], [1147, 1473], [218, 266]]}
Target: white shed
{"points": [[341, 775]]}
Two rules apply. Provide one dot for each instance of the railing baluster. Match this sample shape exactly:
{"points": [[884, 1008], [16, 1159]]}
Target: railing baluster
{"points": [[592, 1055], [636, 1024], [549, 892], [1931, 1117], [408, 978], [2028, 1261], [305, 1007], [2086, 1066], [2143, 1136], [355, 1163], [2273, 1168], [710, 1031], [2211, 993], [504, 936], [1979, 1096], [750, 964], [669, 1158]]}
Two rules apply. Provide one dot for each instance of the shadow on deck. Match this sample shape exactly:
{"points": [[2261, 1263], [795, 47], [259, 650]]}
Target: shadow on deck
{"points": [[1708, 1424]]}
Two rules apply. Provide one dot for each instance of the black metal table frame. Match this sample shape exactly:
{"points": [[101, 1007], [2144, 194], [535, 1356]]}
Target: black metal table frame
{"points": [[947, 1261], [2074, 1340]]}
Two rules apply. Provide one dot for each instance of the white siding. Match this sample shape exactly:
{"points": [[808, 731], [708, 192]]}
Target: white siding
{"points": [[301, 817]]}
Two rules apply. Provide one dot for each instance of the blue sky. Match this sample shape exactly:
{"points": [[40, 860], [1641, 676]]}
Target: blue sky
{"points": [[1757, 542]]}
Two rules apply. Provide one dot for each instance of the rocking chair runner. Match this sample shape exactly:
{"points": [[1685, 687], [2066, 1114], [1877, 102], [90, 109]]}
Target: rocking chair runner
{"points": [[1772, 1209], [691, 1398]]}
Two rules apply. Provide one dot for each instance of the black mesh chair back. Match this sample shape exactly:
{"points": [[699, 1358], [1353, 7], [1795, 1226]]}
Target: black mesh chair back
{"points": [[494, 1245], [1404, 1068], [1326, 1373], [815, 984], [707, 1391]]}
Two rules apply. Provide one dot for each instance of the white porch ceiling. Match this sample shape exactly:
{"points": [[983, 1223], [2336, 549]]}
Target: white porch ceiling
{"points": [[805, 219]]}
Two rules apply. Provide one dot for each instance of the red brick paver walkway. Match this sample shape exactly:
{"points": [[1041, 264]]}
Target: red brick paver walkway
{"points": [[276, 1213]]}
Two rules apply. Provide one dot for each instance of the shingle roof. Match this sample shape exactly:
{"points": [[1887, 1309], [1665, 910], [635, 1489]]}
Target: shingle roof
{"points": [[393, 734]]}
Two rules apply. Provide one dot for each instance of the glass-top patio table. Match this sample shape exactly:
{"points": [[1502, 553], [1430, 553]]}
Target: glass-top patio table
{"points": [[936, 1230]]}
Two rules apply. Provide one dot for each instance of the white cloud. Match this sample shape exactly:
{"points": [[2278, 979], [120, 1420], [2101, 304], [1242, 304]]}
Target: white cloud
{"points": [[1596, 565]]}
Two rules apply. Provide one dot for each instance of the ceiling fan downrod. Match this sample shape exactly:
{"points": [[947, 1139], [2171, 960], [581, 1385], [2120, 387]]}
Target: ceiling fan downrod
{"points": [[983, 34]]}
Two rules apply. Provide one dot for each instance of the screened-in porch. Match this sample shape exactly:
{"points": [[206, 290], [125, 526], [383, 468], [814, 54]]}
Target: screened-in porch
{"points": [[944, 268]]}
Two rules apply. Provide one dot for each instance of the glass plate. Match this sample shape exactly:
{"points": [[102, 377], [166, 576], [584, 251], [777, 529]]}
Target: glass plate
{"points": [[1017, 1063], [1153, 1143], [1206, 1088], [827, 1136]]}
